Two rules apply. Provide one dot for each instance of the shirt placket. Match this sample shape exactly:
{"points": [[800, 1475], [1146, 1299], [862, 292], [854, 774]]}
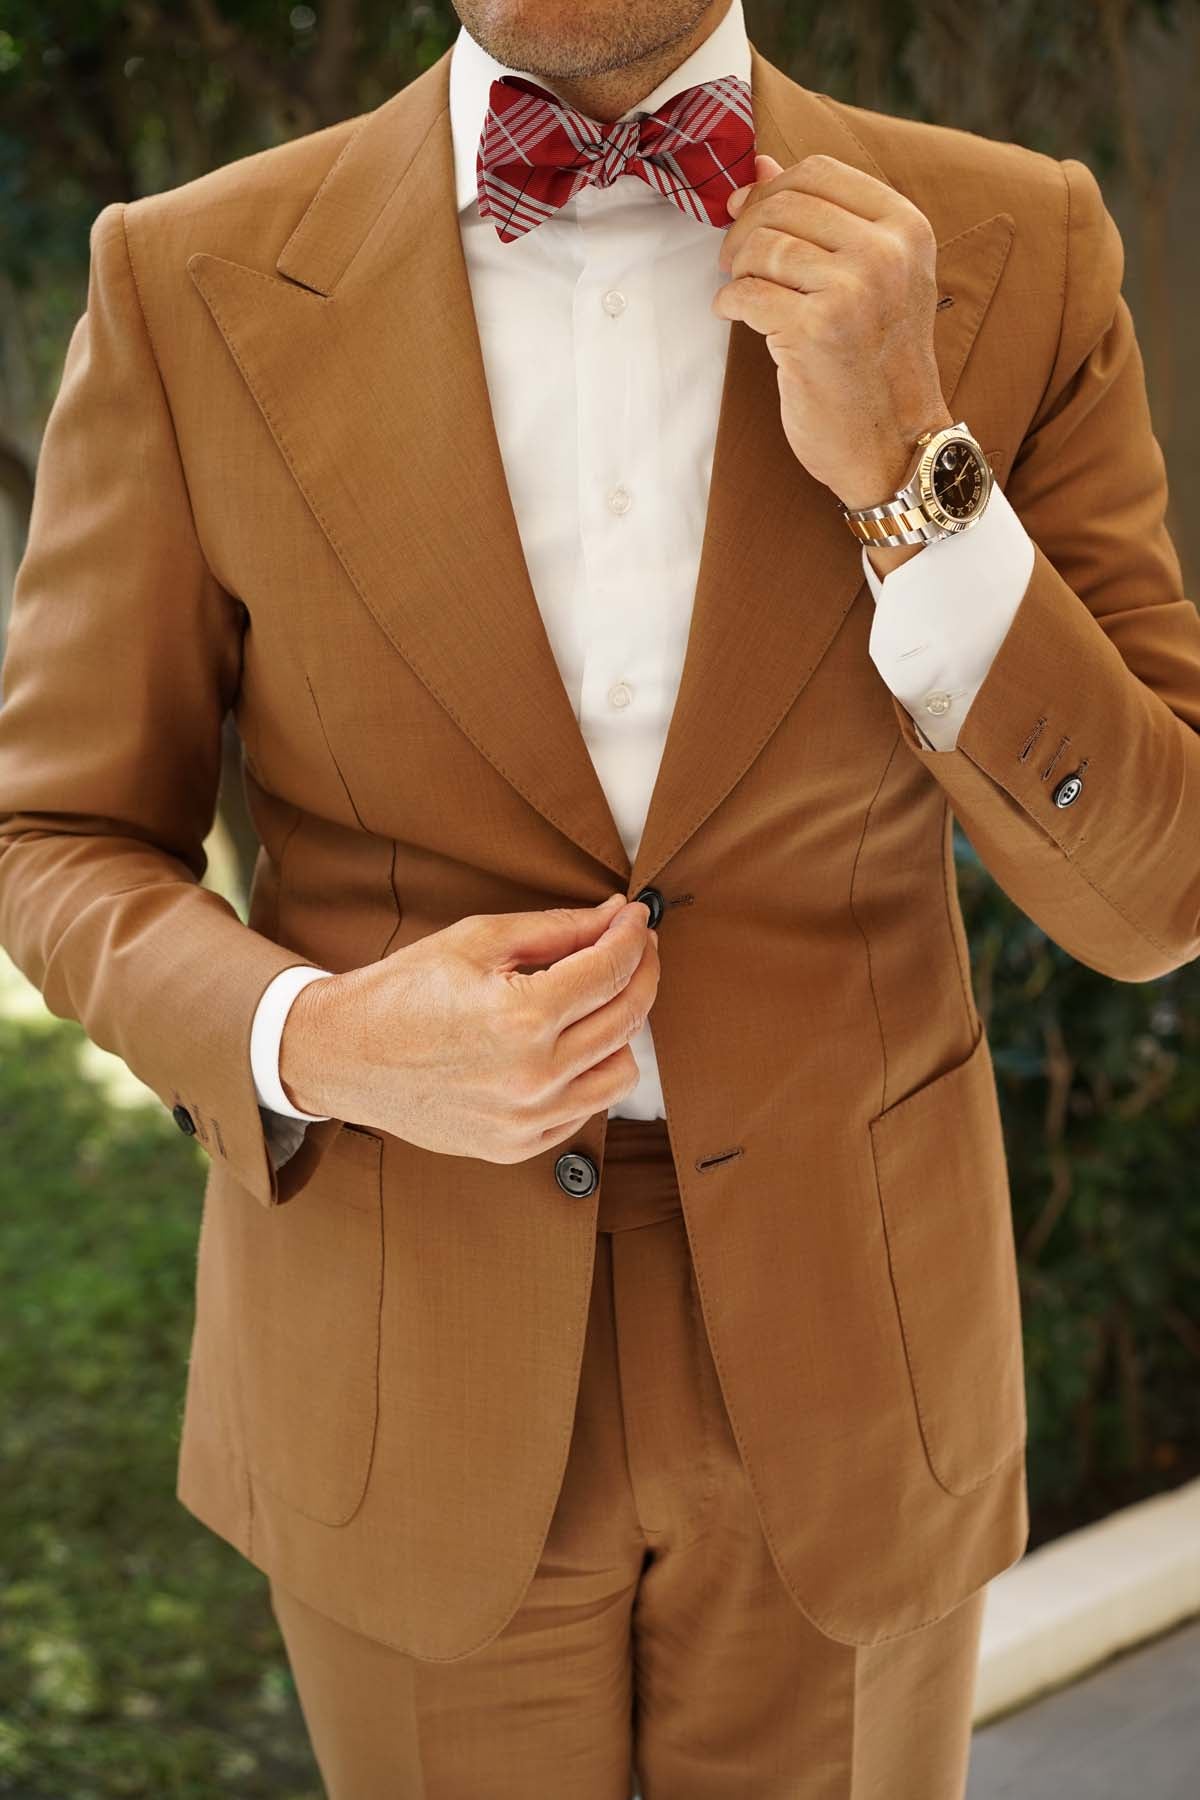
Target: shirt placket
{"points": [[620, 501]]}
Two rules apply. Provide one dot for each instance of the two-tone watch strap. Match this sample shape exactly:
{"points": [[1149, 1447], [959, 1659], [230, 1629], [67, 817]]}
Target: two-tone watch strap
{"points": [[892, 524], [898, 521]]}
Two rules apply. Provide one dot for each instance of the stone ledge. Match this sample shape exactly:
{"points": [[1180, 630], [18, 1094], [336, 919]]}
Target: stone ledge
{"points": [[1074, 1602]]}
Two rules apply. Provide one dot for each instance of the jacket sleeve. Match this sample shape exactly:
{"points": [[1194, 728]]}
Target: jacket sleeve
{"points": [[1098, 675], [123, 655]]}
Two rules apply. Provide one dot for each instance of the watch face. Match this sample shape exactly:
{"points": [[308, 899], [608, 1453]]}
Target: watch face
{"points": [[957, 479]]}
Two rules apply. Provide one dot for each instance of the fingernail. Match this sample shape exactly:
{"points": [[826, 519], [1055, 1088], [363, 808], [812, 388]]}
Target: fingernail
{"points": [[735, 199]]}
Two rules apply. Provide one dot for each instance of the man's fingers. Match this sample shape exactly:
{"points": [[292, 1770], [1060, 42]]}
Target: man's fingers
{"points": [[586, 979], [609, 1077], [583, 1044], [778, 256], [830, 179], [765, 169], [511, 939], [766, 306]]}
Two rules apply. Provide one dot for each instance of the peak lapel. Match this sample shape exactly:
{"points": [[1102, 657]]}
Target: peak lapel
{"points": [[365, 361], [778, 570], [363, 355]]}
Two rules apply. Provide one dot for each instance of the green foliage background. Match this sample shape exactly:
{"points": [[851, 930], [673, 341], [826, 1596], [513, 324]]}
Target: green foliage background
{"points": [[137, 1652]]}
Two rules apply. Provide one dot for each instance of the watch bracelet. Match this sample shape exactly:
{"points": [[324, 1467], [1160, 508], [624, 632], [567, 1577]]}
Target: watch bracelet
{"points": [[869, 526]]}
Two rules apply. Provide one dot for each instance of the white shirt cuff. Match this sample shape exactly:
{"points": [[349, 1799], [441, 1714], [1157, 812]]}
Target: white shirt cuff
{"points": [[942, 615], [266, 1033]]}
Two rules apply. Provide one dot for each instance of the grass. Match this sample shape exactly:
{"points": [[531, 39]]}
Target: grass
{"points": [[138, 1652]]}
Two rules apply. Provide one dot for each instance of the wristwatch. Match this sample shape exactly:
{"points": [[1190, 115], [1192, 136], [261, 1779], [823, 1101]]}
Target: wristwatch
{"points": [[946, 493]]}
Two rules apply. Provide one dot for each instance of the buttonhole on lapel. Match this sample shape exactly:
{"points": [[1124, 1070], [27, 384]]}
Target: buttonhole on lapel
{"points": [[710, 1162], [945, 301]]}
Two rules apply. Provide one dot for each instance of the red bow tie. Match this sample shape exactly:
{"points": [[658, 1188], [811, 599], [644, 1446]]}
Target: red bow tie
{"points": [[535, 153]]}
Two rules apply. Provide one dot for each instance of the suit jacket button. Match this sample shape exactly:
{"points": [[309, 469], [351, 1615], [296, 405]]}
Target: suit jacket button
{"points": [[1068, 789], [184, 1120], [653, 899], [576, 1174]]}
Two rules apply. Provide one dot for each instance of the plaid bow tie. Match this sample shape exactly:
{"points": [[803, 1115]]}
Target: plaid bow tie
{"points": [[535, 153]]}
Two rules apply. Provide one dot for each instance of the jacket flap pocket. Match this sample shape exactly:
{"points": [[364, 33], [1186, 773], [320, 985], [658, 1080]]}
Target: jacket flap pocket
{"points": [[943, 1188]]}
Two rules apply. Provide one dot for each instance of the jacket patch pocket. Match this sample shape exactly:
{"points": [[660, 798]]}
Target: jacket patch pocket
{"points": [[311, 1280], [947, 1214]]}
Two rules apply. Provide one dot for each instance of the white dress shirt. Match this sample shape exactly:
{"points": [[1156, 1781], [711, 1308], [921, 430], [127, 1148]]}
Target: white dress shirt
{"points": [[604, 366]]}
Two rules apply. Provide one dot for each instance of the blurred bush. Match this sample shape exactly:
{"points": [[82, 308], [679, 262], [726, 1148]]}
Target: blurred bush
{"points": [[1100, 1093], [138, 1653]]}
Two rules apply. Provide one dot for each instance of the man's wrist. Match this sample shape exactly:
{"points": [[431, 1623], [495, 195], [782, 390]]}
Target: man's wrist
{"points": [[302, 1069], [879, 478]]}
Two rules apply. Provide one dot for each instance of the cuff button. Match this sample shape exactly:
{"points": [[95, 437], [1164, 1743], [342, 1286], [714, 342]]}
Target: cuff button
{"points": [[1068, 790], [184, 1120]]}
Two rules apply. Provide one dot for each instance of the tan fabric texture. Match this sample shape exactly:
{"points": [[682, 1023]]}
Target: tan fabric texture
{"points": [[656, 1646], [271, 482]]}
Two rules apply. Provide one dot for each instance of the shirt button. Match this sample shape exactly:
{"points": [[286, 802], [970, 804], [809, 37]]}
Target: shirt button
{"points": [[620, 694], [936, 703], [613, 302], [620, 500]]}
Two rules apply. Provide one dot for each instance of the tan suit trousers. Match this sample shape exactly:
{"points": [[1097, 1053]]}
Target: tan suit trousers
{"points": [[656, 1650]]}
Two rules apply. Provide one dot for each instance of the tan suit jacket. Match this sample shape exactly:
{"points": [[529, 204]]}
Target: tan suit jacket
{"points": [[271, 482]]}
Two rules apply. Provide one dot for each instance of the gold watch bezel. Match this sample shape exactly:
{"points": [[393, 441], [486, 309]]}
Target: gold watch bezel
{"points": [[933, 443]]}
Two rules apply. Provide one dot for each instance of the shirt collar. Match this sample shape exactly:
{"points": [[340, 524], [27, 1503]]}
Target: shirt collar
{"points": [[725, 51]]}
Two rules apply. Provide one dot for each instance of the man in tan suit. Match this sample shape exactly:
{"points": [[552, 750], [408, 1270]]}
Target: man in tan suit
{"points": [[598, 1401]]}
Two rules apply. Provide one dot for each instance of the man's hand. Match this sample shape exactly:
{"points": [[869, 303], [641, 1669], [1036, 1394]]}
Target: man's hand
{"points": [[837, 271], [497, 1037]]}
